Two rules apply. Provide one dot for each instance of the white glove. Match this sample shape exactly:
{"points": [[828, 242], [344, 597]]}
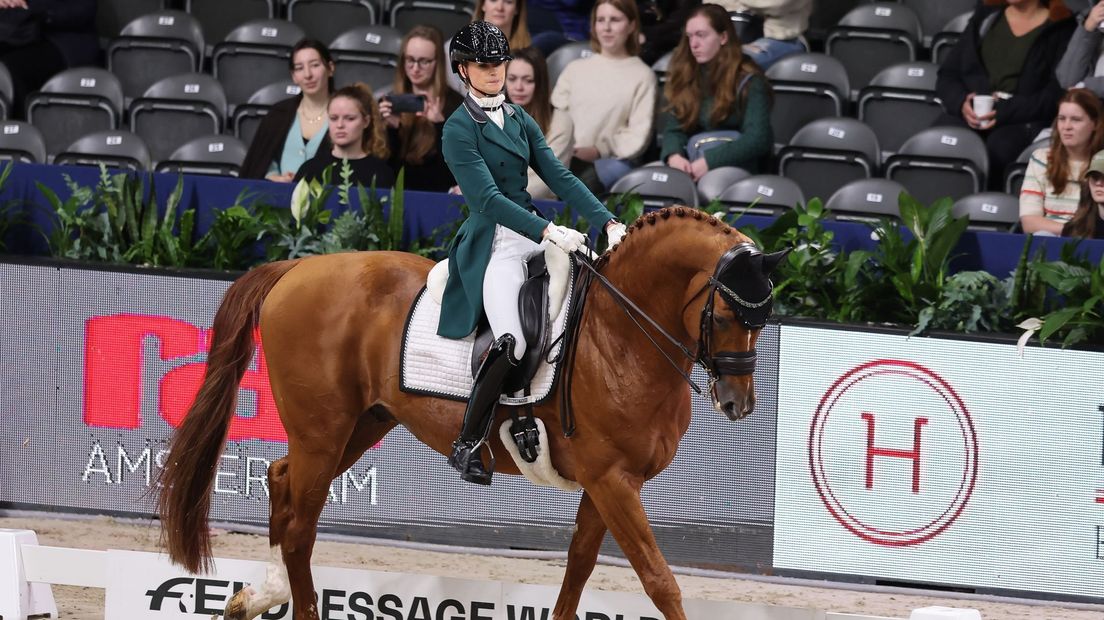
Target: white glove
{"points": [[615, 233], [567, 239]]}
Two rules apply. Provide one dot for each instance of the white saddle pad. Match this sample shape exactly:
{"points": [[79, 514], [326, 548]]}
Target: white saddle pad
{"points": [[441, 367]]}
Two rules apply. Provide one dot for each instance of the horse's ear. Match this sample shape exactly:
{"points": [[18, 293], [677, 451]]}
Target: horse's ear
{"points": [[770, 261]]}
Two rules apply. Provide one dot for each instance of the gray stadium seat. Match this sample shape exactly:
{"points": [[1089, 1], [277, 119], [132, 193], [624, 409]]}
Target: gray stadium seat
{"points": [[805, 87], [660, 66], [115, 149], [153, 46], [944, 40], [23, 142], [717, 180], [254, 55], [934, 14], [899, 102], [659, 186], [214, 155], [939, 162], [247, 117], [565, 55], [220, 17], [1014, 174], [175, 110], [872, 37], [770, 194], [866, 200], [75, 103], [993, 211], [448, 16], [366, 54], [112, 15], [7, 92], [326, 19], [748, 26], [828, 153]]}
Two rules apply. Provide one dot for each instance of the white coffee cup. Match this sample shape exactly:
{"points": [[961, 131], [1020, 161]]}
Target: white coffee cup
{"points": [[983, 104]]}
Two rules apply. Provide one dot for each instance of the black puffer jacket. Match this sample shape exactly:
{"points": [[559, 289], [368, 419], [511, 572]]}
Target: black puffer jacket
{"points": [[1037, 92]]}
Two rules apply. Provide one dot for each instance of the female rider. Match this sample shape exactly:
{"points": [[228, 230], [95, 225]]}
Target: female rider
{"points": [[489, 145]]}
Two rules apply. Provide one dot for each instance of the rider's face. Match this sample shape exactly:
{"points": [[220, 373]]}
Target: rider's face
{"points": [[486, 77]]}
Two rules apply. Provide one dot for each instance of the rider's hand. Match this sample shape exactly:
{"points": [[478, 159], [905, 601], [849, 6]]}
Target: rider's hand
{"points": [[1095, 17], [567, 239], [615, 232]]}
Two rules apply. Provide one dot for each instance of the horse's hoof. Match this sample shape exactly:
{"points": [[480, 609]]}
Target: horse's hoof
{"points": [[236, 608]]}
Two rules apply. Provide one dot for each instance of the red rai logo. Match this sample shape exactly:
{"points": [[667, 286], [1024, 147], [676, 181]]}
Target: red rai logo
{"points": [[893, 453]]}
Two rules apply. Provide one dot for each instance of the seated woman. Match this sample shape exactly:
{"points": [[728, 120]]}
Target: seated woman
{"points": [[603, 105], [1081, 65], [713, 87], [357, 136], [1008, 51], [527, 85], [1051, 187], [415, 137], [511, 18], [1088, 222], [295, 128]]}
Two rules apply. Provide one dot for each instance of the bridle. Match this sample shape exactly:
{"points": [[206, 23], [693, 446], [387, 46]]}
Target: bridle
{"points": [[752, 315]]}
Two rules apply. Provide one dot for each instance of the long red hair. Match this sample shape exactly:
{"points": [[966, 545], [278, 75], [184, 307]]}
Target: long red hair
{"points": [[684, 90], [1058, 167]]}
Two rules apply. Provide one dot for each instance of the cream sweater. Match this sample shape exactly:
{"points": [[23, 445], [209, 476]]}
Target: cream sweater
{"points": [[782, 19], [607, 103]]}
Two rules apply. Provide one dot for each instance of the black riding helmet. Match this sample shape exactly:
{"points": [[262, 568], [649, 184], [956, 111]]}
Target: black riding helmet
{"points": [[479, 42]]}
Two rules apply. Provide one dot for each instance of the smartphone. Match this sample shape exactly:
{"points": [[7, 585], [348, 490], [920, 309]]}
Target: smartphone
{"points": [[406, 103]]}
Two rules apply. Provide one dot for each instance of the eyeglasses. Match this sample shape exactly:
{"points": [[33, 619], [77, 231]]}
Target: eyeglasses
{"points": [[410, 61]]}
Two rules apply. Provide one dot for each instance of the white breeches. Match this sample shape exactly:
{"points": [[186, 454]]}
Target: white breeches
{"points": [[505, 274]]}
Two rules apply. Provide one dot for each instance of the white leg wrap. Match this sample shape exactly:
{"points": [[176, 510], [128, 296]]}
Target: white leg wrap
{"points": [[274, 591]]}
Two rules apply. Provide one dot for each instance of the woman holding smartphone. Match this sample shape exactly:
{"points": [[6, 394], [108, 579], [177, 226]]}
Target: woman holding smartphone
{"points": [[489, 144], [413, 135], [356, 132]]}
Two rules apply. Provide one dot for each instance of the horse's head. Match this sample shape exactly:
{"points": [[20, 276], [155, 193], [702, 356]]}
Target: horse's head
{"points": [[730, 327]]}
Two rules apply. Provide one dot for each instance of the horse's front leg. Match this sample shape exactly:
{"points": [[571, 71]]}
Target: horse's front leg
{"points": [[617, 497], [581, 556]]}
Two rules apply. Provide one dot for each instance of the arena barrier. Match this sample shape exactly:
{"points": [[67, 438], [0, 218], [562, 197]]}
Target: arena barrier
{"points": [[145, 586], [947, 462]]}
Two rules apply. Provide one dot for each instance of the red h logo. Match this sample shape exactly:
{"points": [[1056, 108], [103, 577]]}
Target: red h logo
{"points": [[913, 454]]}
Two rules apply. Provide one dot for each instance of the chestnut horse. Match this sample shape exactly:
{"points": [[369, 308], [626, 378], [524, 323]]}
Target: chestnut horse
{"points": [[331, 328]]}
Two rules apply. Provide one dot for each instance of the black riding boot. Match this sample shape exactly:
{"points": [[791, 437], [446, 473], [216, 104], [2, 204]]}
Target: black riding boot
{"points": [[480, 412]]}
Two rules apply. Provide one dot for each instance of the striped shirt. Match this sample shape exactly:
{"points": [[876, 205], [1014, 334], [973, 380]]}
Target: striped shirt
{"points": [[1037, 197]]}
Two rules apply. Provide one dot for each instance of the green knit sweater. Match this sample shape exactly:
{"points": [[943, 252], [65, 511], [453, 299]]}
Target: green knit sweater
{"points": [[753, 123]]}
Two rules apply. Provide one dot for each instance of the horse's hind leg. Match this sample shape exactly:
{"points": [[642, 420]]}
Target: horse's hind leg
{"points": [[618, 500], [581, 556], [250, 601]]}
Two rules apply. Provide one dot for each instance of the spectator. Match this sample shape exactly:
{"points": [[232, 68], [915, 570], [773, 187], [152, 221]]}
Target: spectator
{"points": [[527, 86], [572, 23], [1081, 65], [661, 26], [415, 137], [603, 106], [712, 87], [784, 23], [509, 16], [356, 132], [39, 38], [1088, 222], [1008, 51], [1052, 187], [295, 128]]}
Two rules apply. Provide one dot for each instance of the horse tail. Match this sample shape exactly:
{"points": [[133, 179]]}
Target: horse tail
{"points": [[188, 476]]}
